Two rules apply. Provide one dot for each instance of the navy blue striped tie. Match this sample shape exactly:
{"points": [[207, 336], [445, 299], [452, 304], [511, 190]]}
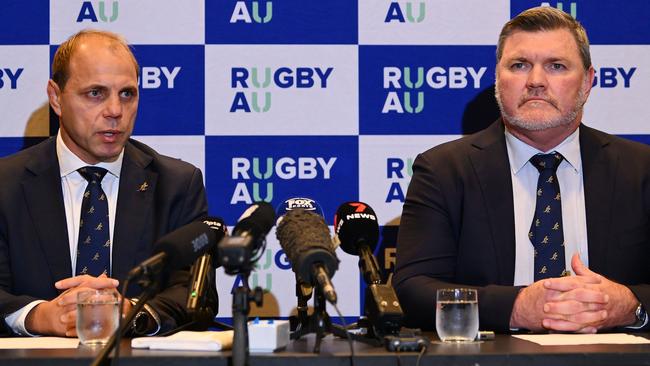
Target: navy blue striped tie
{"points": [[94, 245], [546, 231]]}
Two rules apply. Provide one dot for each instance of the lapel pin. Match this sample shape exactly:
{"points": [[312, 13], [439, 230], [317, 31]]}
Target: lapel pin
{"points": [[143, 187]]}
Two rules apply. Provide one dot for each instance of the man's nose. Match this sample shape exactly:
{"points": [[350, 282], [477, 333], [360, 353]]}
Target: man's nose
{"points": [[536, 77], [113, 107]]}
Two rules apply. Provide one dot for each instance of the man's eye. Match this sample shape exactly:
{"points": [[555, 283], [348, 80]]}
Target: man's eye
{"points": [[518, 66], [94, 93], [127, 94], [556, 66]]}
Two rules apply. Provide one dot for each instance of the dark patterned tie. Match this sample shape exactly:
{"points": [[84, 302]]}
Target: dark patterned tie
{"points": [[546, 229], [94, 246]]}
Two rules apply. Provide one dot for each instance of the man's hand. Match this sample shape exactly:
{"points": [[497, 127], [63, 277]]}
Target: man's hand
{"points": [[578, 296], [59, 316], [563, 304]]}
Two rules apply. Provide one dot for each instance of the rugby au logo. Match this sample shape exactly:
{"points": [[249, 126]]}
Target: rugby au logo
{"points": [[241, 13], [396, 14], [251, 173], [397, 79], [261, 79], [87, 12]]}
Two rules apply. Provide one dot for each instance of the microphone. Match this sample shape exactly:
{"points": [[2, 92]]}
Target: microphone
{"points": [[305, 238], [248, 237], [298, 203], [177, 249], [357, 230], [203, 267]]}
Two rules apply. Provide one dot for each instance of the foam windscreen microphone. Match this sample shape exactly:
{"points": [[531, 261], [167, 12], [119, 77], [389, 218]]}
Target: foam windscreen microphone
{"points": [[178, 249], [305, 238]]}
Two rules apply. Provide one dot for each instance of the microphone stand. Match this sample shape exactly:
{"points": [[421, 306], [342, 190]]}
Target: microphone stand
{"points": [[240, 309], [319, 322], [149, 283], [382, 310]]}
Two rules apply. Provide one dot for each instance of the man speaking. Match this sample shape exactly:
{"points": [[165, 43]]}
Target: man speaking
{"points": [[81, 209]]}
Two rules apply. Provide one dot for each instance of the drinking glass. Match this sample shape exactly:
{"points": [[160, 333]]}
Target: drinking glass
{"points": [[457, 314], [97, 316]]}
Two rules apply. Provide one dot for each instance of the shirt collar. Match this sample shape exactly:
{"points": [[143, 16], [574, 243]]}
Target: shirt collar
{"points": [[519, 153], [69, 162]]}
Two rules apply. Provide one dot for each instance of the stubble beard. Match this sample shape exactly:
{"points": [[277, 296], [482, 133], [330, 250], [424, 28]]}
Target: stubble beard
{"points": [[542, 124]]}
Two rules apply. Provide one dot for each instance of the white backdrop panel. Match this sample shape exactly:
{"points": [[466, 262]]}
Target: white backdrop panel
{"points": [[328, 107], [443, 22], [141, 21]]}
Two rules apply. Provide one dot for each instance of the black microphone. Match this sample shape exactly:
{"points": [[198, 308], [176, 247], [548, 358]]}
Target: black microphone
{"points": [[305, 238], [176, 250], [357, 230], [203, 267], [248, 237]]}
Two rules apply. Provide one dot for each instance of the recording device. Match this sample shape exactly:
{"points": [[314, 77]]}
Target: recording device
{"points": [[236, 253], [357, 230], [305, 238], [176, 250], [405, 344], [203, 268]]}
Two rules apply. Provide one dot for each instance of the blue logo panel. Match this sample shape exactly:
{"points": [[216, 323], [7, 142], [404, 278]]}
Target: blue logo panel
{"points": [[25, 22], [281, 22], [241, 170], [11, 145], [606, 22], [171, 90], [424, 89]]}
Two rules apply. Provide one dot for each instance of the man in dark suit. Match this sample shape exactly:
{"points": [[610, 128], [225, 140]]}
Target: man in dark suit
{"points": [[94, 91], [476, 210]]}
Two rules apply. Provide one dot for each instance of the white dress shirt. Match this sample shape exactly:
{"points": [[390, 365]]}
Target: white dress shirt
{"points": [[73, 186], [524, 185]]}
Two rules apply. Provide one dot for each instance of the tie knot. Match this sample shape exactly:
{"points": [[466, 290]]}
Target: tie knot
{"points": [[92, 173], [547, 161]]}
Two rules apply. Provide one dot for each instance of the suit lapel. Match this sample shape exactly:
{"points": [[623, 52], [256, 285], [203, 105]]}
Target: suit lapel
{"points": [[45, 204], [599, 178], [490, 161], [134, 205]]}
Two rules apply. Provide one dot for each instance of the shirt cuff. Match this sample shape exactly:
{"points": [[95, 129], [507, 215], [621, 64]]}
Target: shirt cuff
{"points": [[16, 320]]}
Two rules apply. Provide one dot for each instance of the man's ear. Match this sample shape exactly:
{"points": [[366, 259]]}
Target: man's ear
{"points": [[54, 95]]}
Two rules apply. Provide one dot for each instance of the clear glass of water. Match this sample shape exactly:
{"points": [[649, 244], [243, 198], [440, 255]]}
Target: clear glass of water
{"points": [[97, 316], [457, 314]]}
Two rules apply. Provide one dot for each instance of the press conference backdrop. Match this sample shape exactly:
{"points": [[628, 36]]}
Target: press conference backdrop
{"points": [[331, 100]]}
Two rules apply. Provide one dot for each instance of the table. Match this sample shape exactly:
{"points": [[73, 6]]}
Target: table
{"points": [[504, 350]]}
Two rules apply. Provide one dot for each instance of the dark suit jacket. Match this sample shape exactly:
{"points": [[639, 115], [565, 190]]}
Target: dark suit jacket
{"points": [[457, 226], [34, 246]]}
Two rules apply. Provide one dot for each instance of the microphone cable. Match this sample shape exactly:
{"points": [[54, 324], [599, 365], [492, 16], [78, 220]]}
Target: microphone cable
{"points": [[120, 312], [347, 333]]}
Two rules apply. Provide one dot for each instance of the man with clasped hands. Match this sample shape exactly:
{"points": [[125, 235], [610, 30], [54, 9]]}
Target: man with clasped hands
{"points": [[545, 216]]}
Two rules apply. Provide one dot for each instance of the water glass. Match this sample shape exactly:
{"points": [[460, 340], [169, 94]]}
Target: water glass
{"points": [[97, 316], [457, 314]]}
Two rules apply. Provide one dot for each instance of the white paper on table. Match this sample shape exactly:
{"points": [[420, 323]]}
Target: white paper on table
{"points": [[38, 343], [187, 341], [578, 339]]}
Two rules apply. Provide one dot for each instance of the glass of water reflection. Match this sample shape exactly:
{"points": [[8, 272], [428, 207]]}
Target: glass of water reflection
{"points": [[97, 316], [457, 314]]}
